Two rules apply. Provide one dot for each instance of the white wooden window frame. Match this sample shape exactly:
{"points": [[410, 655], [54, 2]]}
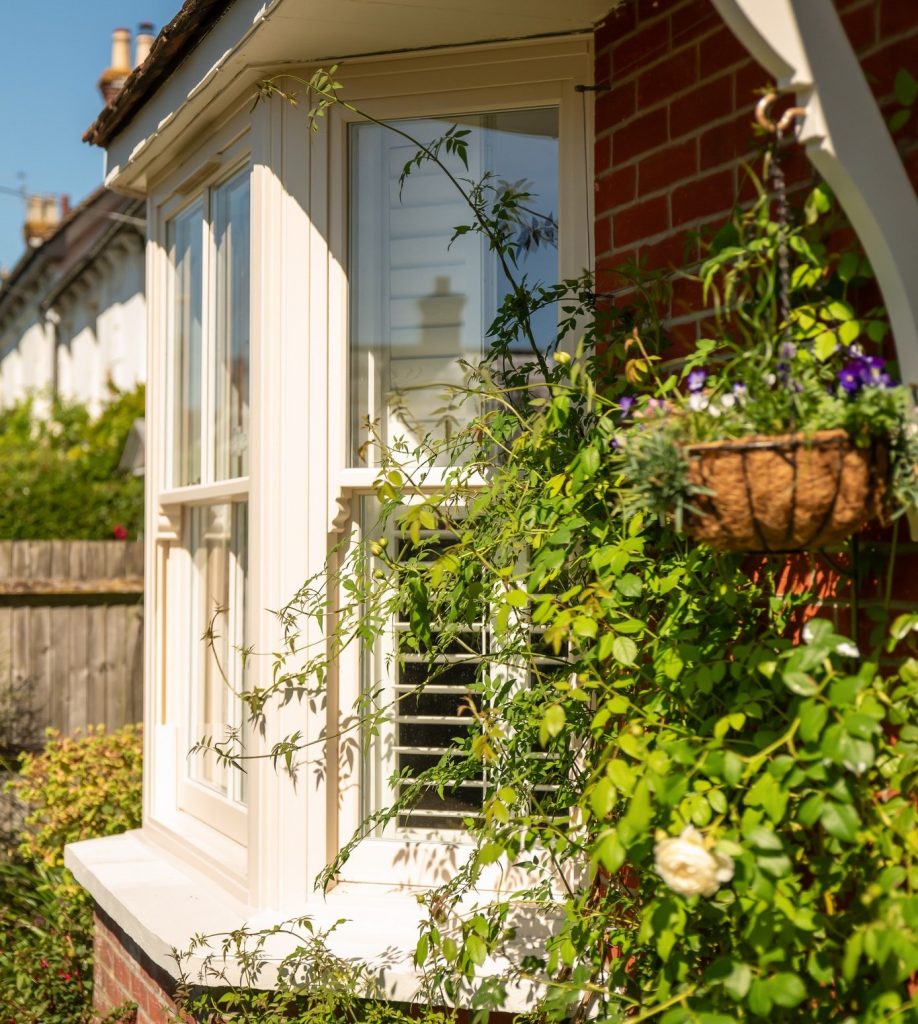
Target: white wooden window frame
{"points": [[299, 486], [195, 821], [412, 857]]}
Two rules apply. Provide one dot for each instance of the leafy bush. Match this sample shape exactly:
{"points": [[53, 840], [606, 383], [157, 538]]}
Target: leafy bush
{"points": [[79, 788], [76, 789], [59, 476]]}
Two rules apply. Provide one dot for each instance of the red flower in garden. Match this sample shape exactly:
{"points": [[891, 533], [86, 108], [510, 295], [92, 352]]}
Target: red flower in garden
{"points": [[120, 532]]}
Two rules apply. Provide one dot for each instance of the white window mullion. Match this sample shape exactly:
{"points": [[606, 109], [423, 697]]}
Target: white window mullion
{"points": [[208, 331]]}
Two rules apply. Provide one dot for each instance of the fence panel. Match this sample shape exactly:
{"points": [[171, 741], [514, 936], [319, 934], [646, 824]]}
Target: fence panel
{"points": [[71, 637]]}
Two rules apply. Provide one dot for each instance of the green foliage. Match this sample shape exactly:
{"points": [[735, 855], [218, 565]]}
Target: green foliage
{"points": [[59, 476], [818, 368], [76, 789], [712, 811]]}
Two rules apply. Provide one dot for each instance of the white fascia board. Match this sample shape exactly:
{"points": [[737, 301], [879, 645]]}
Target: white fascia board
{"points": [[255, 39]]}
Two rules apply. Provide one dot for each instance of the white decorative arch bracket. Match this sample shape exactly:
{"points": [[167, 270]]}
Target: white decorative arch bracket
{"points": [[802, 43]]}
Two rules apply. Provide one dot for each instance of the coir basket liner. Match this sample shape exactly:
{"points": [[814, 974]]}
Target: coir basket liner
{"points": [[787, 492]]}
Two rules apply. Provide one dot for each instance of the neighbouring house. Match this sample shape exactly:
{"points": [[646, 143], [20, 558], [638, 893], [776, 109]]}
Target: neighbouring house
{"points": [[72, 317], [290, 292], [72, 312]]}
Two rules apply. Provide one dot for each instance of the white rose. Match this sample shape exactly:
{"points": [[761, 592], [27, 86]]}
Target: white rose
{"points": [[688, 867]]}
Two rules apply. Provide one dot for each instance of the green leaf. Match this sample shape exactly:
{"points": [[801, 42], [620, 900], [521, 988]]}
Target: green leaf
{"points": [[609, 851], [489, 853], [849, 332], [738, 981], [476, 949], [553, 720], [517, 598], [584, 626], [840, 821], [825, 345], [800, 683], [629, 585], [786, 989], [601, 797], [905, 87], [898, 120], [625, 650], [813, 716]]}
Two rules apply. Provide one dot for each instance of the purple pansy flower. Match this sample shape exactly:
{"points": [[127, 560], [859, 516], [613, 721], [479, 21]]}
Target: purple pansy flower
{"points": [[788, 350], [626, 404], [696, 380], [863, 371]]}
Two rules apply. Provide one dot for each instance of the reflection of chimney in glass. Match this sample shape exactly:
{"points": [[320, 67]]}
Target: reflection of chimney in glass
{"points": [[441, 320], [112, 79]]}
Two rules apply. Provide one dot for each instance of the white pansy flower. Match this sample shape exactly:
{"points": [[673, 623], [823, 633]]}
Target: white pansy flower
{"points": [[697, 402], [728, 400], [688, 867]]}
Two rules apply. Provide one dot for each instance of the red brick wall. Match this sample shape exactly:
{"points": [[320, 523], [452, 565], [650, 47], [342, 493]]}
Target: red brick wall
{"points": [[124, 974], [671, 133], [676, 123]]}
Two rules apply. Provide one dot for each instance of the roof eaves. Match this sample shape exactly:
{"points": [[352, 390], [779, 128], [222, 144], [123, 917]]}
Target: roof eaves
{"points": [[173, 44]]}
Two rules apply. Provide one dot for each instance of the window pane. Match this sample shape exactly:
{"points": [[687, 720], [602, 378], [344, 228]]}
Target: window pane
{"points": [[186, 246], [419, 304], [424, 708], [231, 361], [218, 536]]}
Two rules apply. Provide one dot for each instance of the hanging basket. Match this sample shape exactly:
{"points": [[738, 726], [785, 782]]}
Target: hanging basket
{"points": [[787, 492]]}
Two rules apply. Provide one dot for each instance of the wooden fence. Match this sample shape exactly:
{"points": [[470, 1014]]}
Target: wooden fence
{"points": [[71, 637]]}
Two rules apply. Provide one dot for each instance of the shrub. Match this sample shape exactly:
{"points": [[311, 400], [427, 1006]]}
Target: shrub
{"points": [[76, 789], [59, 476]]}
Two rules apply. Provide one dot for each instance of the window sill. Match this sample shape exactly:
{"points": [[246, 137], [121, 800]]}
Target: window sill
{"points": [[160, 902]]}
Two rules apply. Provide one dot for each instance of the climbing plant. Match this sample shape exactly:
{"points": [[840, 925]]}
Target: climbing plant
{"points": [[707, 810]]}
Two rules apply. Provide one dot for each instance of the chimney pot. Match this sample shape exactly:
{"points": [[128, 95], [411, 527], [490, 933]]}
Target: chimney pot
{"points": [[41, 219], [113, 78], [143, 42]]}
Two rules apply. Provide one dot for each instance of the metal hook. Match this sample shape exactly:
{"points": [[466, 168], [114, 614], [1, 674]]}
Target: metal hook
{"points": [[787, 118]]}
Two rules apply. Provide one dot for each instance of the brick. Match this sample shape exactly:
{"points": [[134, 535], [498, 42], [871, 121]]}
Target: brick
{"points": [[688, 296], [668, 253], [639, 136], [703, 197], [640, 220], [683, 338], [621, 22], [616, 105], [667, 166], [602, 235], [860, 26], [602, 68], [701, 106], [602, 154], [897, 16], [718, 51], [616, 189], [667, 79], [639, 48], [725, 143], [749, 82], [881, 67], [691, 20]]}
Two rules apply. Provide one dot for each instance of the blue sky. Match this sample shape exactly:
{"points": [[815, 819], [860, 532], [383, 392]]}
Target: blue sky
{"points": [[51, 55]]}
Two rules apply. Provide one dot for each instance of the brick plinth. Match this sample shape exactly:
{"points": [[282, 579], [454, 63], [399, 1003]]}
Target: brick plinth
{"points": [[123, 973]]}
